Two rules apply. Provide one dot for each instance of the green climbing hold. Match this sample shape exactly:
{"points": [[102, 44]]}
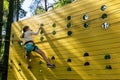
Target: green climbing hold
{"points": [[11, 61], [68, 17], [12, 35], [41, 38], [86, 54], [108, 67], [52, 57], [41, 70], [69, 25], [86, 25], [69, 69], [69, 60], [86, 64], [54, 25], [69, 33], [19, 64], [19, 69], [12, 41], [11, 67], [107, 56], [40, 62], [54, 32], [41, 32], [30, 60], [104, 16]]}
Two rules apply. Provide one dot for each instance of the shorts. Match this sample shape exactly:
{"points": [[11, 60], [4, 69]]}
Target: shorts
{"points": [[30, 47]]}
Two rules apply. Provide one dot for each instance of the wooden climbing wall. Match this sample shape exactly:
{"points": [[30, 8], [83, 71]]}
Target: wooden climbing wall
{"points": [[82, 39]]}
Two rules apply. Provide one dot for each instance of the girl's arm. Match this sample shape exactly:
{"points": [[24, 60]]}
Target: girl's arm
{"points": [[35, 33]]}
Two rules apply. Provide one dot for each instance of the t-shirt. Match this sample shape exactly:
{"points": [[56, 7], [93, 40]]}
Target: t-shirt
{"points": [[28, 35]]}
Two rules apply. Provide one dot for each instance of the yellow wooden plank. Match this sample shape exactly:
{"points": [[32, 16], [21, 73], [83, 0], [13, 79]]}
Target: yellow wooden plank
{"points": [[95, 40]]}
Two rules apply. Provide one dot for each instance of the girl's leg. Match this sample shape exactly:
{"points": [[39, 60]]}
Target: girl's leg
{"points": [[43, 55], [27, 59]]}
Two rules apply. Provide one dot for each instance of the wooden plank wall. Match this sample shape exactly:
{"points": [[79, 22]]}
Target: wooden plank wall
{"points": [[68, 50]]}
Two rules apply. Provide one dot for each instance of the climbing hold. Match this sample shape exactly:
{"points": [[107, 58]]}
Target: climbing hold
{"points": [[69, 60], [69, 25], [19, 64], [11, 61], [12, 41], [54, 25], [20, 42], [107, 56], [104, 16], [85, 17], [54, 32], [41, 38], [41, 70], [41, 32], [69, 69], [19, 69], [52, 57], [68, 17], [69, 33], [86, 54], [105, 25], [12, 35], [11, 67], [40, 62], [86, 24], [29, 67], [103, 7], [108, 67], [86, 64], [30, 60]]}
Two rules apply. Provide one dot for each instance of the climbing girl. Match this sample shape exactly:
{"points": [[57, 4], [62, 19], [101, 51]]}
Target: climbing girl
{"points": [[30, 45]]}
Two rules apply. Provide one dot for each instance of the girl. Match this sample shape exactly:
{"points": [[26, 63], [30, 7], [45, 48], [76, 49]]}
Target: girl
{"points": [[30, 46]]}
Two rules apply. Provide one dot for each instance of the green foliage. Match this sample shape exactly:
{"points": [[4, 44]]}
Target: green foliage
{"points": [[59, 3], [62, 3], [2, 50], [39, 10], [6, 5]]}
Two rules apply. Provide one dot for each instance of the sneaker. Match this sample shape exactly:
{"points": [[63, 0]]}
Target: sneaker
{"points": [[50, 65]]}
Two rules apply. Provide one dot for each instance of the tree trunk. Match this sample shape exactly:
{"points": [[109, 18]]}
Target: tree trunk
{"points": [[7, 37], [46, 5], [1, 16], [17, 10]]}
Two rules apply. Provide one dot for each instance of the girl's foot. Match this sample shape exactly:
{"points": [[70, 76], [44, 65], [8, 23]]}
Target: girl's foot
{"points": [[50, 65]]}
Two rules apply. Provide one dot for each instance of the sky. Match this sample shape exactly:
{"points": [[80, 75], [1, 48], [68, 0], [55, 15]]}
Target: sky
{"points": [[26, 4]]}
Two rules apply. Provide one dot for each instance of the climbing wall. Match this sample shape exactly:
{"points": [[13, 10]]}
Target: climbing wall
{"points": [[82, 39]]}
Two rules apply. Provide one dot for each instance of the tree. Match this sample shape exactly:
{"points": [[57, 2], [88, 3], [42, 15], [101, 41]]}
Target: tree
{"points": [[1, 24], [17, 9], [46, 8], [62, 3], [7, 43]]}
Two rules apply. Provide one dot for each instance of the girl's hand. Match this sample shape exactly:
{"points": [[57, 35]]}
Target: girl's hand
{"points": [[40, 27], [41, 24]]}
